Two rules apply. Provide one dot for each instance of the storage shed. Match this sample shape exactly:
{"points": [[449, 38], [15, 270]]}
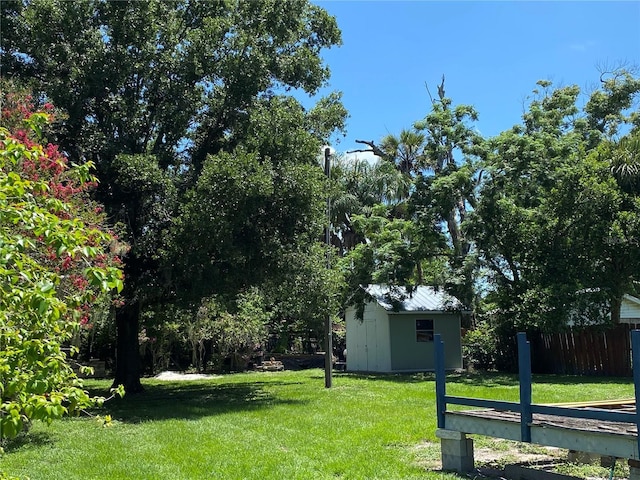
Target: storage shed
{"points": [[396, 331]]}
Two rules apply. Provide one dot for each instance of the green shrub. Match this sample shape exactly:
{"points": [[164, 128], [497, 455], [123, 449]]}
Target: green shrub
{"points": [[479, 347], [55, 263]]}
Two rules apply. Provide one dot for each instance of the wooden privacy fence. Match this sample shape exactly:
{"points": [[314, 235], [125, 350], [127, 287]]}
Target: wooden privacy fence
{"points": [[589, 351]]}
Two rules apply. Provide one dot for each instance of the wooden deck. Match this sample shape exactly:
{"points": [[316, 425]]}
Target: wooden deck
{"points": [[602, 437], [608, 428], [589, 425]]}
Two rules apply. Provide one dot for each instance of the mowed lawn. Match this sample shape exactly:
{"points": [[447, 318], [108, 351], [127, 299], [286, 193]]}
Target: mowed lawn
{"points": [[278, 425]]}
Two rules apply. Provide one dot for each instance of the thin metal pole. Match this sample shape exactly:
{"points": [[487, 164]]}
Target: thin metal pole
{"points": [[524, 366], [635, 363], [328, 360], [441, 392]]}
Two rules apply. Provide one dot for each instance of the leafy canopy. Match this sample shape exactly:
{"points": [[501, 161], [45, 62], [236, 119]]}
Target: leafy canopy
{"points": [[55, 261]]}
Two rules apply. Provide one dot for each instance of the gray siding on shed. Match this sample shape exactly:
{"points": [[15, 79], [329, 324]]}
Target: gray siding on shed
{"points": [[407, 354], [386, 341], [368, 345]]}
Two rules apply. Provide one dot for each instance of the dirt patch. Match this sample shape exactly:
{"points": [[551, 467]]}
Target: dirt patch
{"points": [[506, 452], [493, 454]]}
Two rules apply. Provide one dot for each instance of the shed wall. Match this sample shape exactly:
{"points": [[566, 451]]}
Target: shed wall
{"points": [[355, 340], [380, 359], [367, 341], [409, 354]]}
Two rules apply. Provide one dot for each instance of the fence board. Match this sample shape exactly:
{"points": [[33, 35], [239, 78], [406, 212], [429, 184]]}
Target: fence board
{"points": [[589, 351]]}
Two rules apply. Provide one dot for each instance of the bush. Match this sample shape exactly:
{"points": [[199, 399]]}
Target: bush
{"points": [[479, 347], [55, 263]]}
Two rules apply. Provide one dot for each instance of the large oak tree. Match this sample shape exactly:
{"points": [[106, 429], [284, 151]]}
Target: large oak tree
{"points": [[159, 94]]}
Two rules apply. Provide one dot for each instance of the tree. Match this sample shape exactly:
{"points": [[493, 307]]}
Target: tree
{"points": [[406, 151], [552, 222], [357, 187], [254, 219], [625, 163], [447, 176], [616, 253], [441, 192], [153, 91], [56, 260]]}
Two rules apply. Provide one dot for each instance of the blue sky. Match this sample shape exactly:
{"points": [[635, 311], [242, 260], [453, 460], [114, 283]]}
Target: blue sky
{"points": [[491, 53]]}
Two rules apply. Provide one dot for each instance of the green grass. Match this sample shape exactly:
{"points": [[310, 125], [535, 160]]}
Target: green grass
{"points": [[282, 425]]}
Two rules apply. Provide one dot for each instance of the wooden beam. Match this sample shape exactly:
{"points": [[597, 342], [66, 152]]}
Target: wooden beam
{"points": [[601, 443], [596, 403]]}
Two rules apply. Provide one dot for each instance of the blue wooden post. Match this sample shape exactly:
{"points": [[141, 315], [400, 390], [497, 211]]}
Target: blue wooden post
{"points": [[441, 404], [524, 367], [635, 363]]}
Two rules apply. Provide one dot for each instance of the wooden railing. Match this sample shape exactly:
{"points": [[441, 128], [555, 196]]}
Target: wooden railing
{"points": [[525, 407]]}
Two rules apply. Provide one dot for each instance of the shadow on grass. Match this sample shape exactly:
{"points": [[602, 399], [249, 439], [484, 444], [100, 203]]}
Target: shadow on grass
{"points": [[479, 379], [29, 440], [191, 400], [487, 379]]}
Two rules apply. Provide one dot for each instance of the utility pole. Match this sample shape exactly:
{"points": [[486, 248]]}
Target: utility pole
{"points": [[328, 359]]}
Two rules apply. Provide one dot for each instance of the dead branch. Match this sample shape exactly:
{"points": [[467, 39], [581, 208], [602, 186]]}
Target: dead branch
{"points": [[373, 148]]}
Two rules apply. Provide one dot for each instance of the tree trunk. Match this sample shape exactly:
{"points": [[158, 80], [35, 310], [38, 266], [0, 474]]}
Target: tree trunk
{"points": [[127, 349], [616, 304], [419, 272]]}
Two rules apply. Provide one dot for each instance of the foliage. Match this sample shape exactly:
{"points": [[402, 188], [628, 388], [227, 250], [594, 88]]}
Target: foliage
{"points": [[56, 260], [161, 93], [440, 153], [238, 335], [537, 225], [242, 216], [162, 339], [479, 347], [302, 299], [227, 332], [292, 306], [254, 220], [390, 256], [411, 230], [358, 186], [552, 221]]}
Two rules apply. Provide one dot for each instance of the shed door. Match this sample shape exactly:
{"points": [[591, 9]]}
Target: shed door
{"points": [[371, 346]]}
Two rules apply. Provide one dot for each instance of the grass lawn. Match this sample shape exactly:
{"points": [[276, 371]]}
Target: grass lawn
{"points": [[280, 425]]}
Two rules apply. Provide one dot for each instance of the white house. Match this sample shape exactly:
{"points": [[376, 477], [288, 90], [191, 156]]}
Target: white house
{"points": [[397, 335], [630, 310]]}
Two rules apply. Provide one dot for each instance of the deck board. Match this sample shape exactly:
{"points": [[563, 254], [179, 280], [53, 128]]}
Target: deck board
{"points": [[555, 421], [610, 438]]}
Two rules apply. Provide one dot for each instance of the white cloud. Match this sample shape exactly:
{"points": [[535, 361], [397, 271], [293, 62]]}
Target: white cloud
{"points": [[367, 156], [582, 46]]}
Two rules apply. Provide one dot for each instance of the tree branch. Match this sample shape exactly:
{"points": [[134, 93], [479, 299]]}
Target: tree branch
{"points": [[374, 148]]}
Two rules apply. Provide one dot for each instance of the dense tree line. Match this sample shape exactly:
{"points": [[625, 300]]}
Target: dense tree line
{"points": [[209, 169], [535, 227]]}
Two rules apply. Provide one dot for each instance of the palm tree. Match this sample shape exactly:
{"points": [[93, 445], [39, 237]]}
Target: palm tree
{"points": [[406, 150], [360, 186], [625, 163]]}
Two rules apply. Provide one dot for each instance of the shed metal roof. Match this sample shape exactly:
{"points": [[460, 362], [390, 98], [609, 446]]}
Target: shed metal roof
{"points": [[422, 299]]}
